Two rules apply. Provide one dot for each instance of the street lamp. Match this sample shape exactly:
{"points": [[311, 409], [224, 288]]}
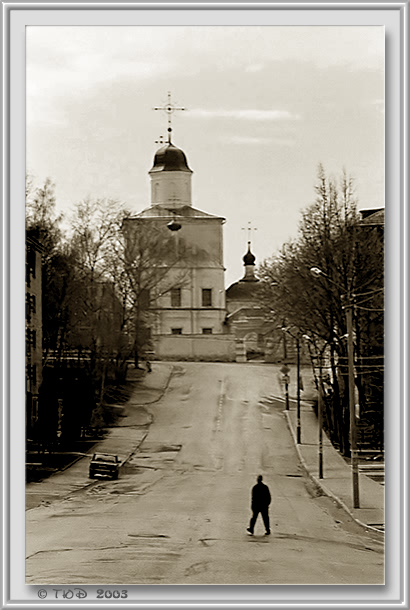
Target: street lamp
{"points": [[286, 379], [319, 409], [353, 434], [298, 423]]}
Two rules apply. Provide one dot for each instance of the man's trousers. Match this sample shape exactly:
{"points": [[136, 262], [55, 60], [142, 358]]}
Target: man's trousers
{"points": [[264, 511]]}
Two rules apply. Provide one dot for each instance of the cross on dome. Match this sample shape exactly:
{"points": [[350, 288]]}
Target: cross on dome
{"points": [[169, 108], [249, 228]]}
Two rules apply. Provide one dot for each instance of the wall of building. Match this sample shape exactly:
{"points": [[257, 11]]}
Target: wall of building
{"points": [[191, 315], [171, 188], [195, 264], [235, 305], [189, 321], [34, 331], [195, 347]]}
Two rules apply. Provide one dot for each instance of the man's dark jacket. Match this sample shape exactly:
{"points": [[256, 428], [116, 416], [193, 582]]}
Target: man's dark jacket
{"points": [[260, 496]]}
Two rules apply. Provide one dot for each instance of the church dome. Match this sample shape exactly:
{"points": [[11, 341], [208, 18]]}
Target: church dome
{"points": [[249, 258], [243, 291], [247, 288], [169, 158]]}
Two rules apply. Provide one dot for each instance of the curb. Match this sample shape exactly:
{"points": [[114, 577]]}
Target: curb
{"points": [[161, 392], [129, 456], [320, 485]]}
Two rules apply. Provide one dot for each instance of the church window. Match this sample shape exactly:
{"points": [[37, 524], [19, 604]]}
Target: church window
{"points": [[176, 331], [207, 331], [176, 297], [206, 297]]}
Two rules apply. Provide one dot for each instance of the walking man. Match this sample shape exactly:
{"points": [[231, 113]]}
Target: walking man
{"points": [[260, 504]]}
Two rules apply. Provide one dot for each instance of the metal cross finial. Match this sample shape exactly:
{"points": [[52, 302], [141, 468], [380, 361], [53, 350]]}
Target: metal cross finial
{"points": [[249, 228], [169, 108]]}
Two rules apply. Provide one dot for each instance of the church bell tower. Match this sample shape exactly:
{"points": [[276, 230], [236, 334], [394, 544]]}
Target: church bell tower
{"points": [[186, 310], [170, 177]]}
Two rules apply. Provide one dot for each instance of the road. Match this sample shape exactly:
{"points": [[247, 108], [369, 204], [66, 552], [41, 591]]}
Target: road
{"points": [[179, 511]]}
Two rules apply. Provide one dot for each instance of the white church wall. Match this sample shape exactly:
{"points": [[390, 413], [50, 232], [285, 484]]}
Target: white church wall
{"points": [[195, 347], [171, 188], [204, 237], [192, 315], [209, 279]]}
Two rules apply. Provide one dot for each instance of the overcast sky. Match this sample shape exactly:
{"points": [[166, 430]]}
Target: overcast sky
{"points": [[265, 105]]}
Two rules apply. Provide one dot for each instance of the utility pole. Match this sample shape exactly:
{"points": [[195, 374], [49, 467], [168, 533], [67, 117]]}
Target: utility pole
{"points": [[348, 307], [320, 418], [286, 375], [298, 426], [353, 440], [287, 394]]}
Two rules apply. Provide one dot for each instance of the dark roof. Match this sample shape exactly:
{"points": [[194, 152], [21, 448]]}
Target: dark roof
{"points": [[372, 217], [169, 158], [243, 290], [248, 312]]}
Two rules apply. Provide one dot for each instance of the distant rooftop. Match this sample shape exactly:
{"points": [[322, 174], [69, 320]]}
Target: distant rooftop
{"points": [[372, 216], [177, 212]]}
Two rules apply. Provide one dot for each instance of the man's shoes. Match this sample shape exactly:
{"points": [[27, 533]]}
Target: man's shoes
{"points": [[248, 529], [267, 533]]}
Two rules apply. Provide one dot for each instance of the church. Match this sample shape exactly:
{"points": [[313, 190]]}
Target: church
{"points": [[247, 319], [187, 314]]}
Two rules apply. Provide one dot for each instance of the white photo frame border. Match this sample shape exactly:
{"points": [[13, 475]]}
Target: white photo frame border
{"points": [[395, 18]]}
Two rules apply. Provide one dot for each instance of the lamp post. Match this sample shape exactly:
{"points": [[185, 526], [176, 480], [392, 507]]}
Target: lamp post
{"points": [[320, 418], [298, 422], [319, 408], [353, 432], [286, 392], [350, 356]]}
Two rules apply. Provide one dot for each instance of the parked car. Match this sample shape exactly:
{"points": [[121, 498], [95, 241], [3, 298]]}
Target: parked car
{"points": [[104, 465]]}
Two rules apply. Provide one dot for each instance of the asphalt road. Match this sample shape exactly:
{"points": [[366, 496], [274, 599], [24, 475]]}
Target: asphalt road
{"points": [[179, 511]]}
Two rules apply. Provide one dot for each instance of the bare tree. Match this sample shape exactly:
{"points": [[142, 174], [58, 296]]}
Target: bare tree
{"points": [[153, 263], [133, 260], [352, 263]]}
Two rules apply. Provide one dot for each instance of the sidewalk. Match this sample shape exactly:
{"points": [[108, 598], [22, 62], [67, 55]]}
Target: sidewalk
{"points": [[337, 473], [127, 435], [122, 440], [151, 386]]}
